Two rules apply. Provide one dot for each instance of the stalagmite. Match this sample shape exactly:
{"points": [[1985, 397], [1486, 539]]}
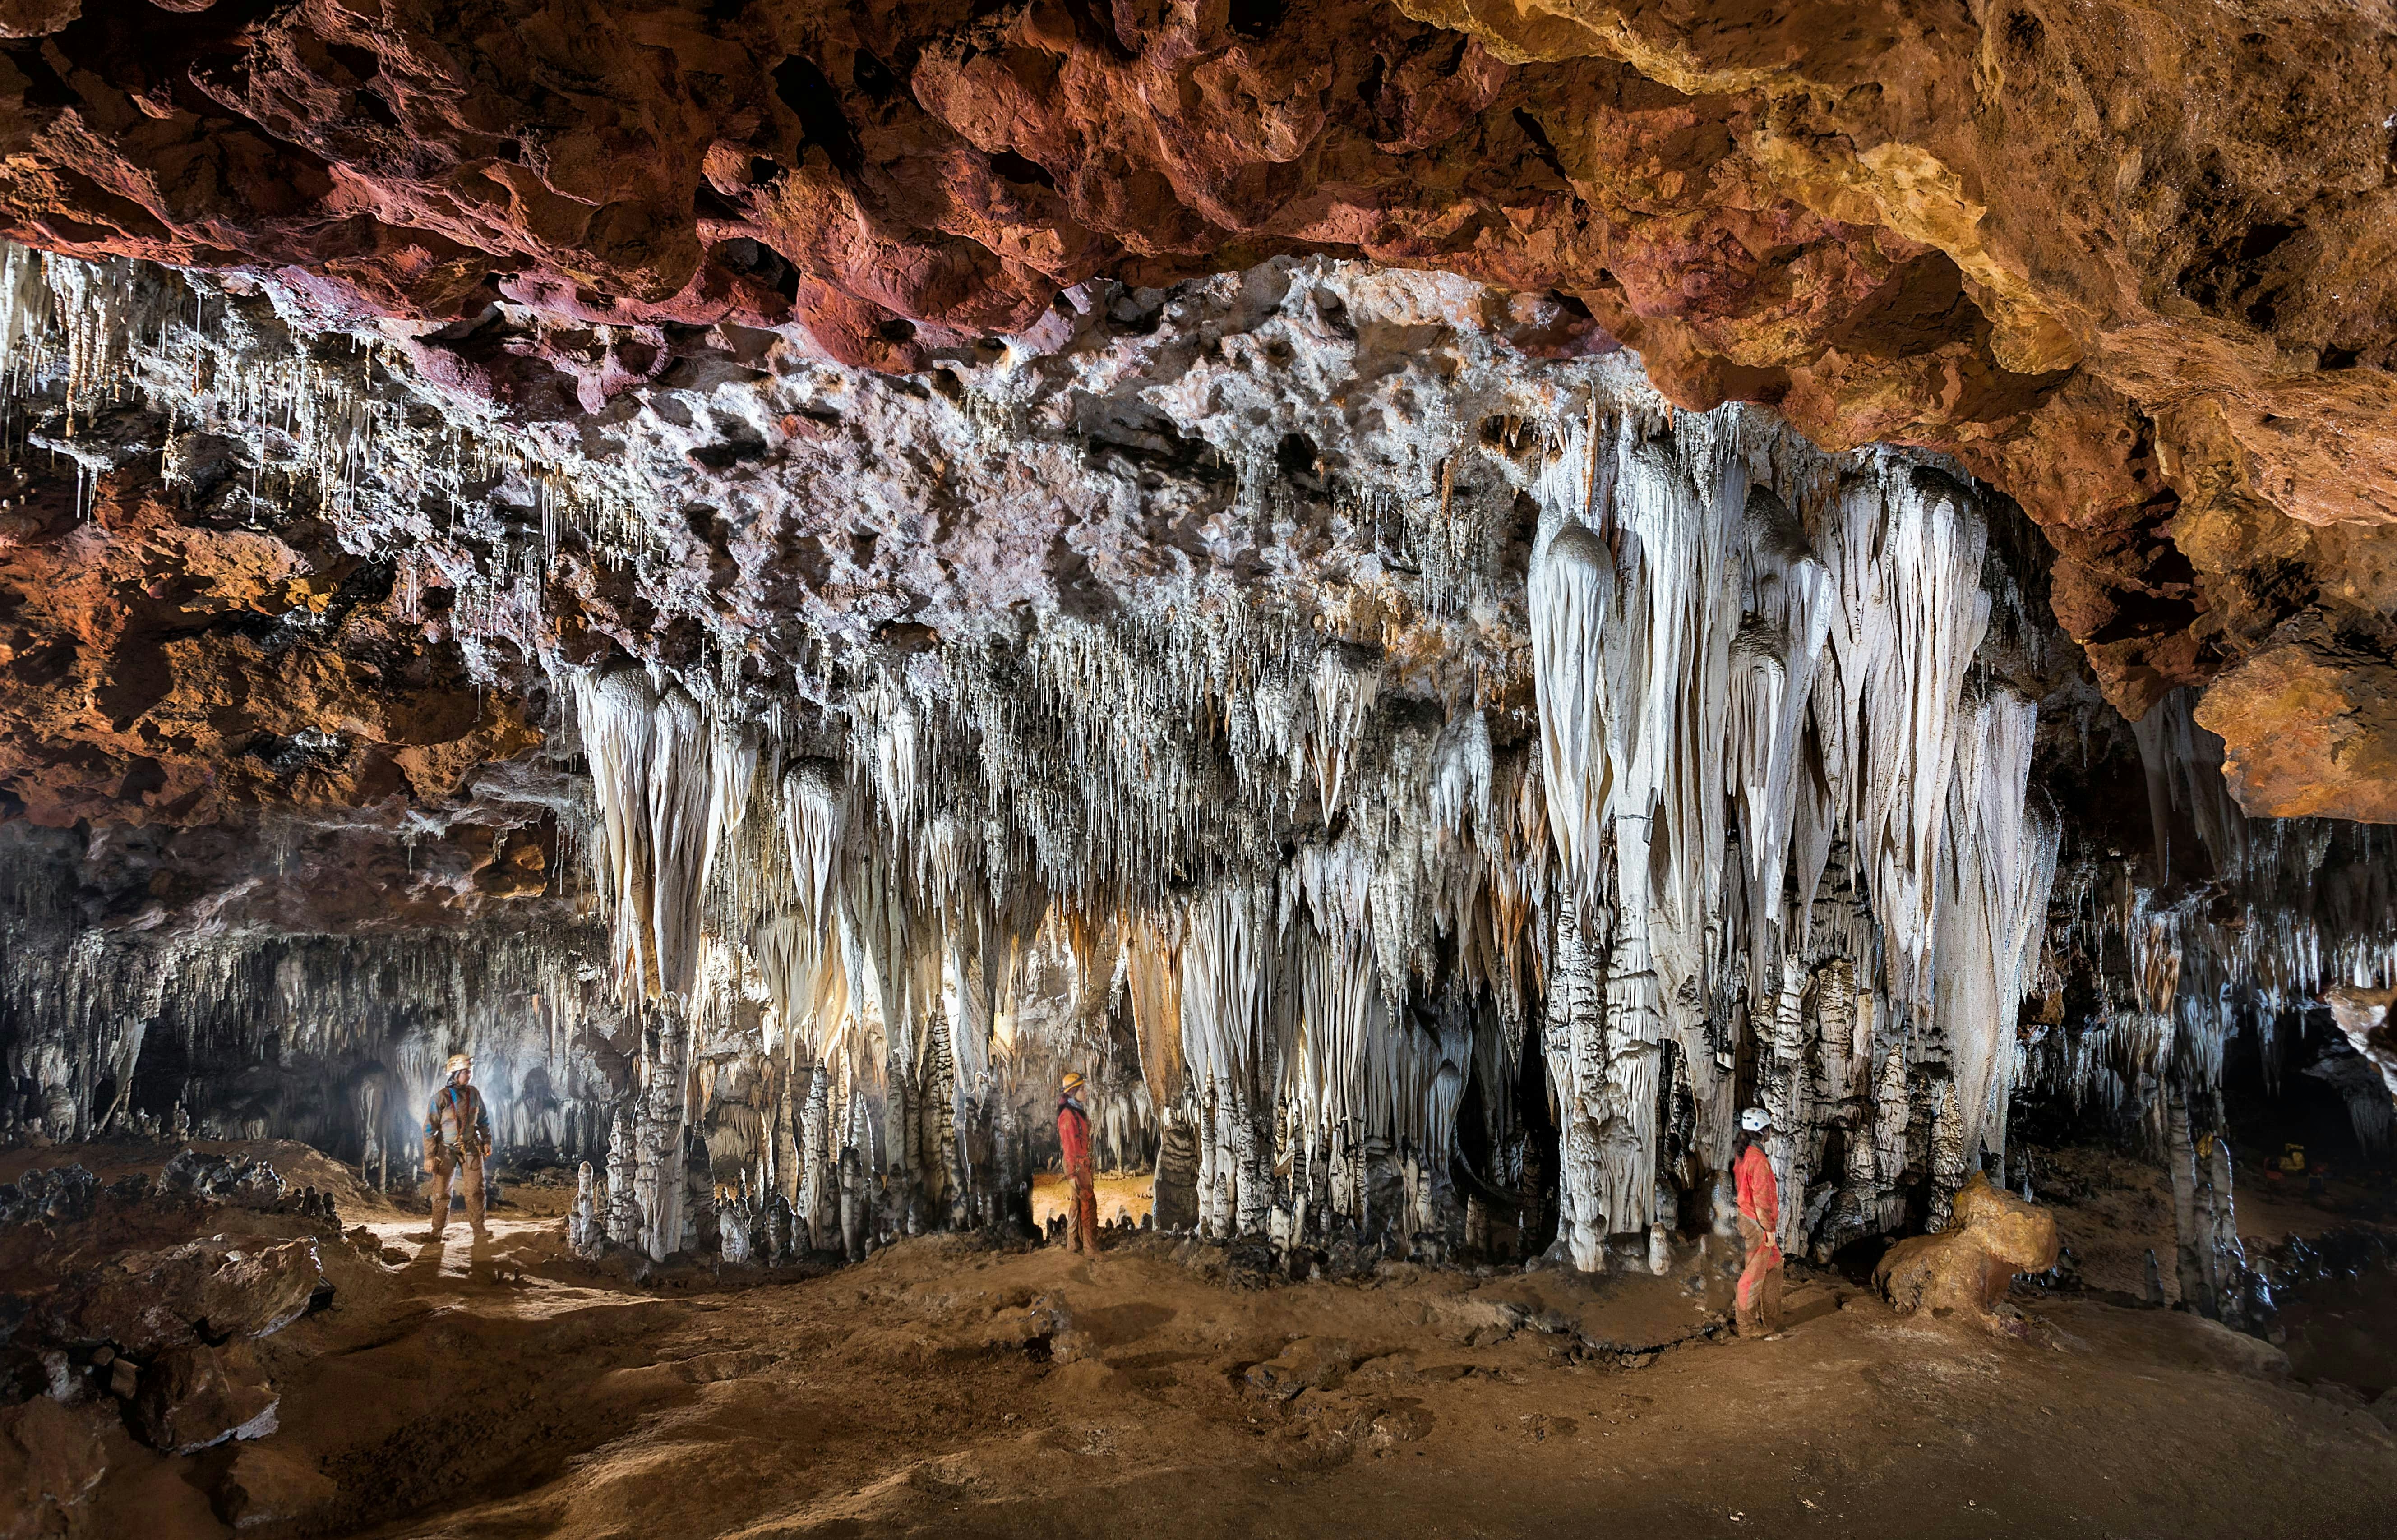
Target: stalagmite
{"points": [[818, 1208], [854, 1222], [583, 1230]]}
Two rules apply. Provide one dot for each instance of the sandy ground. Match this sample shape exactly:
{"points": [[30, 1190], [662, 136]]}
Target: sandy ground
{"points": [[506, 1391], [1121, 1197]]}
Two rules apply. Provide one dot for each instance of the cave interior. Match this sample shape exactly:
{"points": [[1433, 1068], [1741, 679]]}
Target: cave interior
{"points": [[1451, 604]]}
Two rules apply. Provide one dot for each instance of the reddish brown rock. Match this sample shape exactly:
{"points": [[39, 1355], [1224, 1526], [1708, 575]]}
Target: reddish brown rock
{"points": [[191, 1397], [164, 665], [2309, 731], [36, 18], [203, 1291], [265, 1485], [52, 1459]]}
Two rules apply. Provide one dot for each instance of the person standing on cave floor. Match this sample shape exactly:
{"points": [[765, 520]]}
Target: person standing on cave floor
{"points": [[1074, 1137], [457, 1137], [1758, 1303]]}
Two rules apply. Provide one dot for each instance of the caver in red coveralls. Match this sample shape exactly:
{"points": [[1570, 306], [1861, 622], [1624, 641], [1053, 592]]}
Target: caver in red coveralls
{"points": [[1758, 1300], [1073, 1135]]}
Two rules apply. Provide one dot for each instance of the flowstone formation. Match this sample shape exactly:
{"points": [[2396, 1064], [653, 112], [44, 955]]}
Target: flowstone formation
{"points": [[1428, 779], [1438, 622], [1966, 1268]]}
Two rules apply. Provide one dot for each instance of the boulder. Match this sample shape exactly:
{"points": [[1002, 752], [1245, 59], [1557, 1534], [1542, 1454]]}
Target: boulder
{"points": [[37, 18], [206, 1291], [58, 1197], [1966, 1268], [191, 1397], [252, 1183], [51, 1460], [266, 1485], [256, 1292]]}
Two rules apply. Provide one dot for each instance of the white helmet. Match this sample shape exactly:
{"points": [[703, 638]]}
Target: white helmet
{"points": [[1755, 1121], [457, 1062]]}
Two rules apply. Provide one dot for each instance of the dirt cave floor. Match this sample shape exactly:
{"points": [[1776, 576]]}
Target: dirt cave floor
{"points": [[946, 1387]]}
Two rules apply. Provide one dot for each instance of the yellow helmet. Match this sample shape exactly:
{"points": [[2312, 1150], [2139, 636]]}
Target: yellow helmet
{"points": [[457, 1062], [1073, 1079]]}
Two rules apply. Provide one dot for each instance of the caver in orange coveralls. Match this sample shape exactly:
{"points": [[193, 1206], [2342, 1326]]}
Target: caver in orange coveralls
{"points": [[1759, 1301], [1074, 1134]]}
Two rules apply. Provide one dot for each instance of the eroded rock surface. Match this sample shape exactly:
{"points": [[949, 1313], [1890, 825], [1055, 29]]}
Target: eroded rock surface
{"points": [[203, 1291], [194, 1398]]}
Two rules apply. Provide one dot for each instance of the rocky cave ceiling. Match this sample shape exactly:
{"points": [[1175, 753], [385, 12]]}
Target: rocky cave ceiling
{"points": [[2129, 264], [1115, 451]]}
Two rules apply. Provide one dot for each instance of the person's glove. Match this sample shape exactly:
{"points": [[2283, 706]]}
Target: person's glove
{"points": [[430, 1168]]}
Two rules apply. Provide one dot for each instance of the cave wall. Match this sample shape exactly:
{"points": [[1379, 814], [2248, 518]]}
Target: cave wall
{"points": [[1559, 570]]}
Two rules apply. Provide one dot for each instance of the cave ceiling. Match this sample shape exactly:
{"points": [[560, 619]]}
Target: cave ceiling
{"points": [[789, 338], [2129, 264]]}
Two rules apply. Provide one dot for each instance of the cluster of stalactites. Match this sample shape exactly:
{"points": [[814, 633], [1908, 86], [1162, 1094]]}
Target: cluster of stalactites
{"points": [[336, 425], [1708, 678], [671, 785], [1769, 794], [135, 1035]]}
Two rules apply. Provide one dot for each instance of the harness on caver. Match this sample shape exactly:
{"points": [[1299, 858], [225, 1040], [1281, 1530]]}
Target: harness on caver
{"points": [[456, 1108]]}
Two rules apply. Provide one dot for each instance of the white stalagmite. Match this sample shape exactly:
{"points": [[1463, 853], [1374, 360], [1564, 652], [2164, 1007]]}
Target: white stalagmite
{"points": [[1632, 636], [1575, 593], [1342, 1013]]}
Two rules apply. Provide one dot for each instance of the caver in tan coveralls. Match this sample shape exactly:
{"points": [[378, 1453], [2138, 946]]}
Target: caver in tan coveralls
{"points": [[457, 1136]]}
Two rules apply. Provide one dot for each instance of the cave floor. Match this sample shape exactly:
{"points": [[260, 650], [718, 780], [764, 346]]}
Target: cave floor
{"points": [[948, 1388], [489, 1394]]}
